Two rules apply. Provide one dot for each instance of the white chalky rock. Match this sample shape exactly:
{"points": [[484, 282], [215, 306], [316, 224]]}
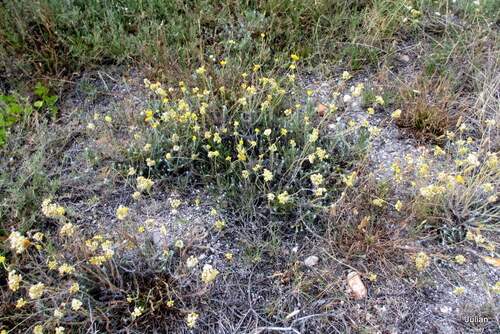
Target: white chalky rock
{"points": [[311, 261]]}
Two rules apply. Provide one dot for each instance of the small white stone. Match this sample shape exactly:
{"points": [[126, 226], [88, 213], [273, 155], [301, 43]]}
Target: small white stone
{"points": [[311, 261]]}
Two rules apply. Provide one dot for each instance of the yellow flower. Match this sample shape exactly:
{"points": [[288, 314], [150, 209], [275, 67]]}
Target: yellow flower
{"points": [[58, 313], [460, 259], [438, 151], [38, 329], [75, 287], [309, 92], [212, 154], [76, 304], [371, 111], [396, 113], [372, 277], [144, 183], [192, 261], [14, 280], [108, 119], [52, 210], [21, 302], [141, 229], [36, 291], [137, 312], [170, 303], [229, 256], [488, 187], [136, 195], [179, 244], [346, 75], [52, 265], [66, 269], [192, 317], [219, 224], [422, 261], [459, 291], [18, 242], [379, 100], [294, 57], [378, 202], [68, 229], [320, 191], [122, 212], [209, 273], [223, 62], [316, 179], [213, 212], [398, 205], [268, 176], [314, 135], [283, 198]]}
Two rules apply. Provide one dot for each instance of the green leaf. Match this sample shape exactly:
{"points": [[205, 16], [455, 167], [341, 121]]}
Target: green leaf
{"points": [[38, 104], [41, 90], [15, 109]]}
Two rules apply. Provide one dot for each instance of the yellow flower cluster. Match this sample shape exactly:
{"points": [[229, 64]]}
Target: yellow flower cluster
{"points": [[137, 312], [68, 229], [144, 184], [36, 291], [209, 273], [14, 280], [122, 212], [52, 210], [432, 190], [18, 242], [191, 319], [422, 261]]}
